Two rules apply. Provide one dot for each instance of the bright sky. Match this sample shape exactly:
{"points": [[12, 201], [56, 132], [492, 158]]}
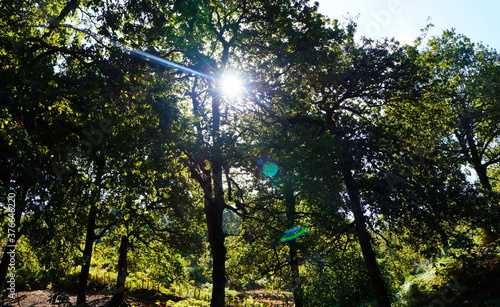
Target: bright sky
{"points": [[477, 19]]}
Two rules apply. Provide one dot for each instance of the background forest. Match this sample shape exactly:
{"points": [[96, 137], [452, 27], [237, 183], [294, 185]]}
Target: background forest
{"points": [[119, 173]]}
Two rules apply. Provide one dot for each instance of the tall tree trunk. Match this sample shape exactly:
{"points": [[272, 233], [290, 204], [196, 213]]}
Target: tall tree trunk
{"points": [[87, 257], [214, 209], [216, 239], [213, 189], [470, 150], [298, 294], [119, 295], [90, 235], [377, 282], [291, 213]]}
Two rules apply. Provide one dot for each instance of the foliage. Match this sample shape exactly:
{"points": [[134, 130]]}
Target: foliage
{"points": [[336, 280], [387, 154], [454, 278]]}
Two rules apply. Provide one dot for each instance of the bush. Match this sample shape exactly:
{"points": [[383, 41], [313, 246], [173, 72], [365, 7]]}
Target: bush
{"points": [[336, 280], [457, 279], [197, 275]]}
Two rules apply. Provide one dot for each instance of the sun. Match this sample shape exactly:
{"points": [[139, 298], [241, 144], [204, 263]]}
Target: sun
{"points": [[231, 85]]}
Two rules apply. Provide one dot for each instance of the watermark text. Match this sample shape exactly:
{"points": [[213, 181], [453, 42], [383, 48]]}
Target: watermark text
{"points": [[11, 245]]}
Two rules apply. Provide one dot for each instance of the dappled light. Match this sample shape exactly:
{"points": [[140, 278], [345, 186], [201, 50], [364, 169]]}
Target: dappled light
{"points": [[243, 153]]}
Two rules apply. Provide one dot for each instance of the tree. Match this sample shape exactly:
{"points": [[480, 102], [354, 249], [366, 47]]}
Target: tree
{"points": [[82, 92], [343, 101], [465, 76], [449, 122], [211, 42], [100, 146], [29, 97]]}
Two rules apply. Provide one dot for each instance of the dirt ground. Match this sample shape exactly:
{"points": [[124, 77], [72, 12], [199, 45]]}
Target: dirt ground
{"points": [[139, 298], [41, 298]]}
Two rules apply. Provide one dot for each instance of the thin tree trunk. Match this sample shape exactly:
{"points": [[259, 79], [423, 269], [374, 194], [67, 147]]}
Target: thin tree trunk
{"points": [[119, 295], [90, 236], [470, 150], [87, 258], [377, 282], [298, 296]]}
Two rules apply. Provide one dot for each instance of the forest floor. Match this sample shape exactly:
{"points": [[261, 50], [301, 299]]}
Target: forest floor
{"points": [[41, 298], [137, 298]]}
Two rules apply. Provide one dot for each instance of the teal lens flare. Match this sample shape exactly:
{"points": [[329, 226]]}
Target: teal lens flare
{"points": [[270, 169]]}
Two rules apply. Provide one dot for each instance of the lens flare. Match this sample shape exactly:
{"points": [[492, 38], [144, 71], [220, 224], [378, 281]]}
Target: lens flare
{"points": [[143, 54], [292, 230], [270, 169], [268, 166], [293, 233], [167, 63]]}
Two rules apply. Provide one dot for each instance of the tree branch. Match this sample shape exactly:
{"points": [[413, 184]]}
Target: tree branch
{"points": [[71, 5]]}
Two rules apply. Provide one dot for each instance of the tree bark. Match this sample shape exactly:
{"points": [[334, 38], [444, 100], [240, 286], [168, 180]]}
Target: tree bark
{"points": [[90, 236], [298, 294], [71, 6], [477, 163], [214, 204], [377, 282], [469, 148], [119, 295], [216, 238], [214, 209], [87, 257]]}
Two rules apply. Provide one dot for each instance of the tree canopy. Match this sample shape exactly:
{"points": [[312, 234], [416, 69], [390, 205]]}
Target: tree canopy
{"points": [[344, 172]]}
